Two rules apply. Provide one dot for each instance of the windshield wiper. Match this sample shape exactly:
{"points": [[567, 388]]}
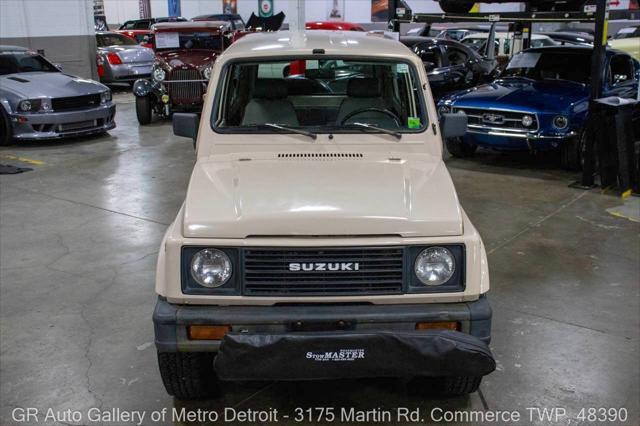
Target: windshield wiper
{"points": [[396, 135], [292, 130]]}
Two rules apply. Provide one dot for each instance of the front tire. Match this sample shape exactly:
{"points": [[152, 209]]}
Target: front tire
{"points": [[459, 148], [144, 110], [572, 153], [445, 386], [6, 131], [188, 375], [455, 6]]}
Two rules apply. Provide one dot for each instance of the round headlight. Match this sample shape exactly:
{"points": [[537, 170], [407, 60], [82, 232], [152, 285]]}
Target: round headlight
{"points": [[159, 74], [210, 268], [207, 72], [527, 120], [435, 266], [560, 122], [24, 105]]}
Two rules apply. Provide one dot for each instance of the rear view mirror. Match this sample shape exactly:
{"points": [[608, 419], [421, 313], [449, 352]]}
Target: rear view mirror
{"points": [[453, 125], [186, 125]]}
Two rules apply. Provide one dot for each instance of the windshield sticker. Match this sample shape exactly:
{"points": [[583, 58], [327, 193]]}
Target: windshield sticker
{"points": [[167, 40], [524, 60], [402, 68], [414, 122]]}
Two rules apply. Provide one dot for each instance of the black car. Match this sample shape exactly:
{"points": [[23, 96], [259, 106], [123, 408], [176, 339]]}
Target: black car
{"points": [[451, 65], [146, 23], [568, 38], [236, 21]]}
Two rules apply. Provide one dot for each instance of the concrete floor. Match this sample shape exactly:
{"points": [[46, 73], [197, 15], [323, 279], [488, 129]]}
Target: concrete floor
{"points": [[78, 242]]}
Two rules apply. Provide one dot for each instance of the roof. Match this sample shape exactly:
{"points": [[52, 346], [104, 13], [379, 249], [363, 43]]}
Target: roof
{"points": [[338, 43], [218, 16], [9, 48], [502, 35], [568, 49], [568, 35], [190, 24]]}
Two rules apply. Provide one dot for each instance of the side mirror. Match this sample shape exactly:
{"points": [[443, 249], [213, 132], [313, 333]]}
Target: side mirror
{"points": [[186, 125], [453, 125]]}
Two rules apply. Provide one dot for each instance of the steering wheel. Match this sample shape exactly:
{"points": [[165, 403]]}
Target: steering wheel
{"points": [[386, 112]]}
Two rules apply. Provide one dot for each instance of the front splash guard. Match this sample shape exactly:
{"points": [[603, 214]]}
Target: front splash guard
{"points": [[334, 355]]}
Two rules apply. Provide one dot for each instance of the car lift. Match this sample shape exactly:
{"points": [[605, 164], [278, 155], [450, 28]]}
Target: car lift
{"points": [[400, 12]]}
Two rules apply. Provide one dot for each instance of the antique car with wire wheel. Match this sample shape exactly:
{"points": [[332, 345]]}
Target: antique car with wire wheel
{"points": [[321, 236], [185, 52], [540, 102], [38, 101]]}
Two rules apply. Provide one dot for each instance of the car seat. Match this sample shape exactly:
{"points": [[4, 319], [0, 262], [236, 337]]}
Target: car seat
{"points": [[363, 93], [269, 104]]}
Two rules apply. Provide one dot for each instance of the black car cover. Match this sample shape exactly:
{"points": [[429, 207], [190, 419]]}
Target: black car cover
{"points": [[333, 355]]}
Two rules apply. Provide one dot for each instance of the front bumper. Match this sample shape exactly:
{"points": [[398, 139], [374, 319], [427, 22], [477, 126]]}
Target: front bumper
{"points": [[292, 342], [57, 125], [506, 140]]}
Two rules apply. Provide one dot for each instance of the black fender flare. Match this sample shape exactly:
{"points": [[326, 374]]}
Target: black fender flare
{"points": [[142, 88]]}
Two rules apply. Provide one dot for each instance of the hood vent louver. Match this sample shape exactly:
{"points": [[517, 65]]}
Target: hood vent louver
{"points": [[320, 156], [18, 79]]}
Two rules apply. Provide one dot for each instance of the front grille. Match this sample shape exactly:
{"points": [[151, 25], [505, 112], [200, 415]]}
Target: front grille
{"points": [[379, 271], [185, 93], [507, 120], [75, 102]]}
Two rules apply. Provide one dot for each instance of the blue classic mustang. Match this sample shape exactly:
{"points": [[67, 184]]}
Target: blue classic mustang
{"points": [[539, 102]]}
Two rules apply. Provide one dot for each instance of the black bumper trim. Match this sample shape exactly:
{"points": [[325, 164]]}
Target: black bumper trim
{"points": [[170, 320]]}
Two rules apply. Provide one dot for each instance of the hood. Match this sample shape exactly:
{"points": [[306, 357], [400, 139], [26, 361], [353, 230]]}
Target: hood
{"points": [[186, 58], [521, 94], [131, 54], [284, 196], [49, 85]]}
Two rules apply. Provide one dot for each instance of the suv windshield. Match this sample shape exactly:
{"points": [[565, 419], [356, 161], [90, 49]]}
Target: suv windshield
{"points": [[24, 62], [331, 94], [558, 65], [188, 40]]}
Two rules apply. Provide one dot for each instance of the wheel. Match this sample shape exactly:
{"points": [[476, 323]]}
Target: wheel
{"points": [[459, 148], [6, 131], [188, 375], [456, 6], [144, 110], [572, 152], [445, 386]]}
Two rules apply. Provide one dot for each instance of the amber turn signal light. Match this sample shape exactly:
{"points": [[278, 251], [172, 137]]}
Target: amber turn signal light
{"points": [[450, 325], [208, 332]]}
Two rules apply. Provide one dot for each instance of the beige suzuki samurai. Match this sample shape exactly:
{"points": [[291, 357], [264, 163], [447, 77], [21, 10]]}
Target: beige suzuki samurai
{"points": [[321, 236]]}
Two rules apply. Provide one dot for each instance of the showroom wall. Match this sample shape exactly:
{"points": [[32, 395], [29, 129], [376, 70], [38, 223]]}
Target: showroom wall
{"points": [[62, 30]]}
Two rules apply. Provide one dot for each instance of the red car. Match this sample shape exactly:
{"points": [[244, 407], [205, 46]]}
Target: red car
{"points": [[142, 37], [333, 25]]}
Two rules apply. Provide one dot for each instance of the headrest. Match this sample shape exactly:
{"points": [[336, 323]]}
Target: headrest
{"points": [[363, 88], [270, 88]]}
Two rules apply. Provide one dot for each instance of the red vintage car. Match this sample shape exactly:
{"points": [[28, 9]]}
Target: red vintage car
{"points": [[185, 52], [333, 25]]}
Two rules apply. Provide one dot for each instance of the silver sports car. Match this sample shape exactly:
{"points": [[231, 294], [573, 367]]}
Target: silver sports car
{"points": [[122, 59], [38, 101]]}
